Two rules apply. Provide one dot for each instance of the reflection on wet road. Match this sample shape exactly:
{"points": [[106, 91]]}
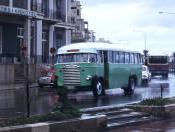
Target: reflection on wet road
{"points": [[13, 101], [116, 97]]}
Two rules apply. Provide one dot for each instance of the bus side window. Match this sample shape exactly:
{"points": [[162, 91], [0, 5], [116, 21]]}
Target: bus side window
{"points": [[122, 57], [126, 58], [131, 58], [100, 56], [110, 57], [139, 58], [116, 57], [136, 58]]}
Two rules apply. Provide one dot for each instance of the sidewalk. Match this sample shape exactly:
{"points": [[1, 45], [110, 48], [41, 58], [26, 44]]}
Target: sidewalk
{"points": [[16, 86], [167, 125]]}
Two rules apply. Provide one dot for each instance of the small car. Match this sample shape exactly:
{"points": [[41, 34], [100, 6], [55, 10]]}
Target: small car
{"points": [[48, 79], [146, 75]]}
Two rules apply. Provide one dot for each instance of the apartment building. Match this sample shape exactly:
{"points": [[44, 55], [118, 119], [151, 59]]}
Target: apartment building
{"points": [[33, 27], [81, 31]]}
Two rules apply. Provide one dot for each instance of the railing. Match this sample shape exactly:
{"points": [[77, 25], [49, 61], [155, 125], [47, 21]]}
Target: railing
{"points": [[41, 59], [71, 20], [7, 60], [53, 14], [35, 6], [20, 4], [38, 59]]}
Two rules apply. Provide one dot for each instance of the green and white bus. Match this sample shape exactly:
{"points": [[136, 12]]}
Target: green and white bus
{"points": [[97, 67]]}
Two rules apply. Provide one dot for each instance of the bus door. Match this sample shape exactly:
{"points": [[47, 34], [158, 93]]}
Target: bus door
{"points": [[106, 69]]}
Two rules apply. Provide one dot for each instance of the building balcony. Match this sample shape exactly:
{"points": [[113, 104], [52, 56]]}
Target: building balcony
{"points": [[4, 2], [53, 15], [78, 36], [20, 4], [71, 20], [37, 7]]}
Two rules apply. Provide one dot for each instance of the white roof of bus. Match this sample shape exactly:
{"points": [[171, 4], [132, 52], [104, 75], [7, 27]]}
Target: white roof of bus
{"points": [[91, 47]]}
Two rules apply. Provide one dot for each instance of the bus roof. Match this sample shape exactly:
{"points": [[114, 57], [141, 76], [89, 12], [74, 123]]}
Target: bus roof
{"points": [[91, 47]]}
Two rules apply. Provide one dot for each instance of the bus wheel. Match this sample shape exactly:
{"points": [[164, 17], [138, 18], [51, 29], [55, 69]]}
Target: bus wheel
{"points": [[97, 87], [131, 86]]}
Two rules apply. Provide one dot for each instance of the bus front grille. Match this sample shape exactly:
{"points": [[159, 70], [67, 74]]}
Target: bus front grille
{"points": [[71, 75]]}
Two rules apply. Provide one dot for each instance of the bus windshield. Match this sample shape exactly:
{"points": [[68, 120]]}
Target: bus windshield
{"points": [[78, 57]]}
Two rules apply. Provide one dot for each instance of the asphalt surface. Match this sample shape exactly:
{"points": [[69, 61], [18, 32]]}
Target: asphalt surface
{"points": [[116, 96], [43, 100]]}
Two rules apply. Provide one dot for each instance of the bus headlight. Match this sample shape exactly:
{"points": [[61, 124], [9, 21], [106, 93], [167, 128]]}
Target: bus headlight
{"points": [[88, 77]]}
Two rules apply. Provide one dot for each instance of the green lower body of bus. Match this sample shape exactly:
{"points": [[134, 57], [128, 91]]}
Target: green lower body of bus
{"points": [[79, 76]]}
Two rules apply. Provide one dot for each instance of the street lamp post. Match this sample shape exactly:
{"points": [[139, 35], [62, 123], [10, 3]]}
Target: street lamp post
{"points": [[145, 51], [145, 38]]}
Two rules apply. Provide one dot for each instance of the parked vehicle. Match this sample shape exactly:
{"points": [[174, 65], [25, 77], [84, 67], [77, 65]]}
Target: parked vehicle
{"points": [[146, 75], [47, 79], [158, 65], [98, 66]]}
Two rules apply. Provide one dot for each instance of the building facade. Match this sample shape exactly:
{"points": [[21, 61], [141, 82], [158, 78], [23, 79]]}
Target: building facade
{"points": [[29, 29], [81, 32]]}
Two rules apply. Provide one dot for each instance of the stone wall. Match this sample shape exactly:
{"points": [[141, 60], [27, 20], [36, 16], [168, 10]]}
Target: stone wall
{"points": [[7, 73]]}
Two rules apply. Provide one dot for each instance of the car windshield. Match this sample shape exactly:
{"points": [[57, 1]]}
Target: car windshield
{"points": [[78, 57]]}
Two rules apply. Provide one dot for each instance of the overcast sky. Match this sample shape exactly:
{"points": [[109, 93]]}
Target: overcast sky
{"points": [[131, 22]]}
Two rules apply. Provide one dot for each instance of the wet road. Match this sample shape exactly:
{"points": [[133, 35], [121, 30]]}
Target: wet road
{"points": [[13, 101], [116, 96], [156, 126]]}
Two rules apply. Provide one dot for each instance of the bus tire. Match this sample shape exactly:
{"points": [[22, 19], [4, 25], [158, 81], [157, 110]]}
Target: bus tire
{"points": [[131, 86], [103, 88], [97, 87]]}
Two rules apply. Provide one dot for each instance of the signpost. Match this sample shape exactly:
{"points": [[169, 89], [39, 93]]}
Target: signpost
{"points": [[26, 66], [53, 52]]}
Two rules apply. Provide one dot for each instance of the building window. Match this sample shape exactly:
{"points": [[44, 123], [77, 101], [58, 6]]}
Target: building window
{"points": [[45, 8], [78, 12], [45, 47], [20, 3], [20, 32], [36, 6], [4, 2], [0, 39]]}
